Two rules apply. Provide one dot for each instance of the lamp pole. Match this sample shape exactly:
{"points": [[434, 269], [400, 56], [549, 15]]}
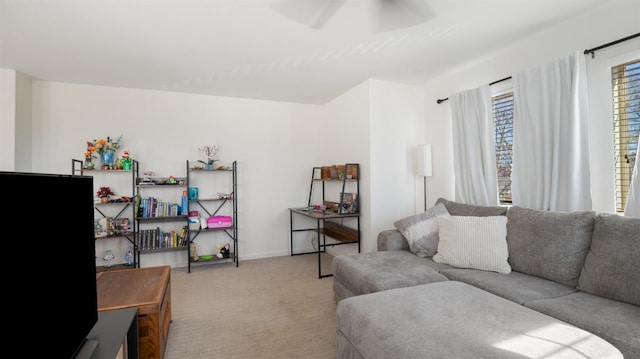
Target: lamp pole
{"points": [[423, 166]]}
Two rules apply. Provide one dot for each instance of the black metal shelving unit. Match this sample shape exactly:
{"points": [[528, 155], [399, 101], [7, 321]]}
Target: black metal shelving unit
{"points": [[212, 206], [127, 209]]}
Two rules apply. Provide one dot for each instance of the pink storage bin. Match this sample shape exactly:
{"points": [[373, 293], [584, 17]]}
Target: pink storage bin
{"points": [[219, 222]]}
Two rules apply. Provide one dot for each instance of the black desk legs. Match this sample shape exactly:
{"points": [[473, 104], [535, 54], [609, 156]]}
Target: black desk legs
{"points": [[319, 252]]}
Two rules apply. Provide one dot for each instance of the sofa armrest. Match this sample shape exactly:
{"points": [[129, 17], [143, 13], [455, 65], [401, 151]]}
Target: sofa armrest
{"points": [[392, 240]]}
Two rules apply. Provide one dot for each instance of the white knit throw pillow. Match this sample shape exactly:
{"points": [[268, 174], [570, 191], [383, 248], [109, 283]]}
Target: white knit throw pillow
{"points": [[473, 242]]}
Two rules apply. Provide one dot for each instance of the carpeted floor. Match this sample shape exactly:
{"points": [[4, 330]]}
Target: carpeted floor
{"points": [[265, 308]]}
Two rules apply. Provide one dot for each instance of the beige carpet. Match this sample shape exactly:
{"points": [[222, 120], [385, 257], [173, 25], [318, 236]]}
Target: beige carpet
{"points": [[265, 308]]}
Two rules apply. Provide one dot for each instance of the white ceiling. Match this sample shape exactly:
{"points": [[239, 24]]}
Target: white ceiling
{"points": [[254, 48]]}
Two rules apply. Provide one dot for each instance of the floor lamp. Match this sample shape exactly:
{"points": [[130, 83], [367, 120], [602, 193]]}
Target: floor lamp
{"points": [[423, 166]]}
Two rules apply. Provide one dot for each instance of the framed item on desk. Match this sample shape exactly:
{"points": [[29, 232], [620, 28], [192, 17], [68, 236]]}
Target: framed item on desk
{"points": [[349, 202]]}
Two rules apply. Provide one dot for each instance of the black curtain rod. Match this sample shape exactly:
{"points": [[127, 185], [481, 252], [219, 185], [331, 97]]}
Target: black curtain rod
{"points": [[593, 51], [441, 100], [587, 51]]}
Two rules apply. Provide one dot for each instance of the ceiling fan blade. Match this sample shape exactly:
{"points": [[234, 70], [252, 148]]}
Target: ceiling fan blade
{"points": [[379, 15], [395, 14], [313, 13], [330, 8], [419, 10]]}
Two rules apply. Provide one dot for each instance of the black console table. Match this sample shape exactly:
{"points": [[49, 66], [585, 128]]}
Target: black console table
{"points": [[116, 334]]}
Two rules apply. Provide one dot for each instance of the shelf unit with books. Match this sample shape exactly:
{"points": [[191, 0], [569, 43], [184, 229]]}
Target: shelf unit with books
{"points": [[113, 219], [213, 200], [160, 214]]}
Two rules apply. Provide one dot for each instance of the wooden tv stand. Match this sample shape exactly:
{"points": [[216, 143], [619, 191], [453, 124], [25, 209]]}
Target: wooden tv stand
{"points": [[147, 289]]}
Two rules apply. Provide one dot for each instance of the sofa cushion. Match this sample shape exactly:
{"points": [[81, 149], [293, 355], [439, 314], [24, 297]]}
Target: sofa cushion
{"points": [[614, 321], [612, 266], [463, 209], [456, 320], [473, 242], [515, 286], [421, 230], [370, 272], [550, 245]]}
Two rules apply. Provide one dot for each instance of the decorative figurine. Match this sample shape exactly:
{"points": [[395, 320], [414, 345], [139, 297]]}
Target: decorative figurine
{"points": [[125, 226], [108, 257], [126, 160], [98, 229], [194, 252], [128, 256], [223, 251]]}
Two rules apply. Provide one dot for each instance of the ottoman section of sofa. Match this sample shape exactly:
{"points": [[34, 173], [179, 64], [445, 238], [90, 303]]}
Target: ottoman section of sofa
{"points": [[456, 320], [362, 273]]}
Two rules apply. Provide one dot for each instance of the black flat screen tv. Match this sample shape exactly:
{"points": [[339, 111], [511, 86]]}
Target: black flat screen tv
{"points": [[52, 284]]}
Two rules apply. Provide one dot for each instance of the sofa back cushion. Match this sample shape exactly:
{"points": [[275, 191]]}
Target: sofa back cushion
{"points": [[612, 266], [463, 209], [550, 245]]}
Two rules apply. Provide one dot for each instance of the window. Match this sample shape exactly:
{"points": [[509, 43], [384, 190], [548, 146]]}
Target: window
{"points": [[626, 125], [503, 123]]}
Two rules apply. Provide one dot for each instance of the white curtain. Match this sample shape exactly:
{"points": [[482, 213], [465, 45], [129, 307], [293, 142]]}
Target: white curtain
{"points": [[474, 159], [550, 137], [632, 209]]}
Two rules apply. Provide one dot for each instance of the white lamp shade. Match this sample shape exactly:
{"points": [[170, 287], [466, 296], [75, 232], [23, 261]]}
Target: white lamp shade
{"points": [[423, 164]]}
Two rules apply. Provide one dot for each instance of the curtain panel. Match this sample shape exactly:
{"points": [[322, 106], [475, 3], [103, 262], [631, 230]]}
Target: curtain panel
{"points": [[632, 209], [551, 169], [474, 158]]}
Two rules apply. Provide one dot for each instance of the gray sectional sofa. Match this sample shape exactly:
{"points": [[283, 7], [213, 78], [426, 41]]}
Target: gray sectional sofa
{"points": [[431, 291]]}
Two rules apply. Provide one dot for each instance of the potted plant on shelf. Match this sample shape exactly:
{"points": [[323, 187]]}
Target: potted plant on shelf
{"points": [[88, 156], [104, 193], [210, 152], [106, 149]]}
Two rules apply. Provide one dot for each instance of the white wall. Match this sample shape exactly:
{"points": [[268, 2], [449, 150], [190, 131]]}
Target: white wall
{"points": [[376, 124], [7, 119], [348, 142], [616, 20], [15, 121], [24, 124], [397, 127], [275, 144], [272, 143]]}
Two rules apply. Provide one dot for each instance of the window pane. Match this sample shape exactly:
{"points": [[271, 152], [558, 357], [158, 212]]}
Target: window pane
{"points": [[626, 123], [503, 122]]}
